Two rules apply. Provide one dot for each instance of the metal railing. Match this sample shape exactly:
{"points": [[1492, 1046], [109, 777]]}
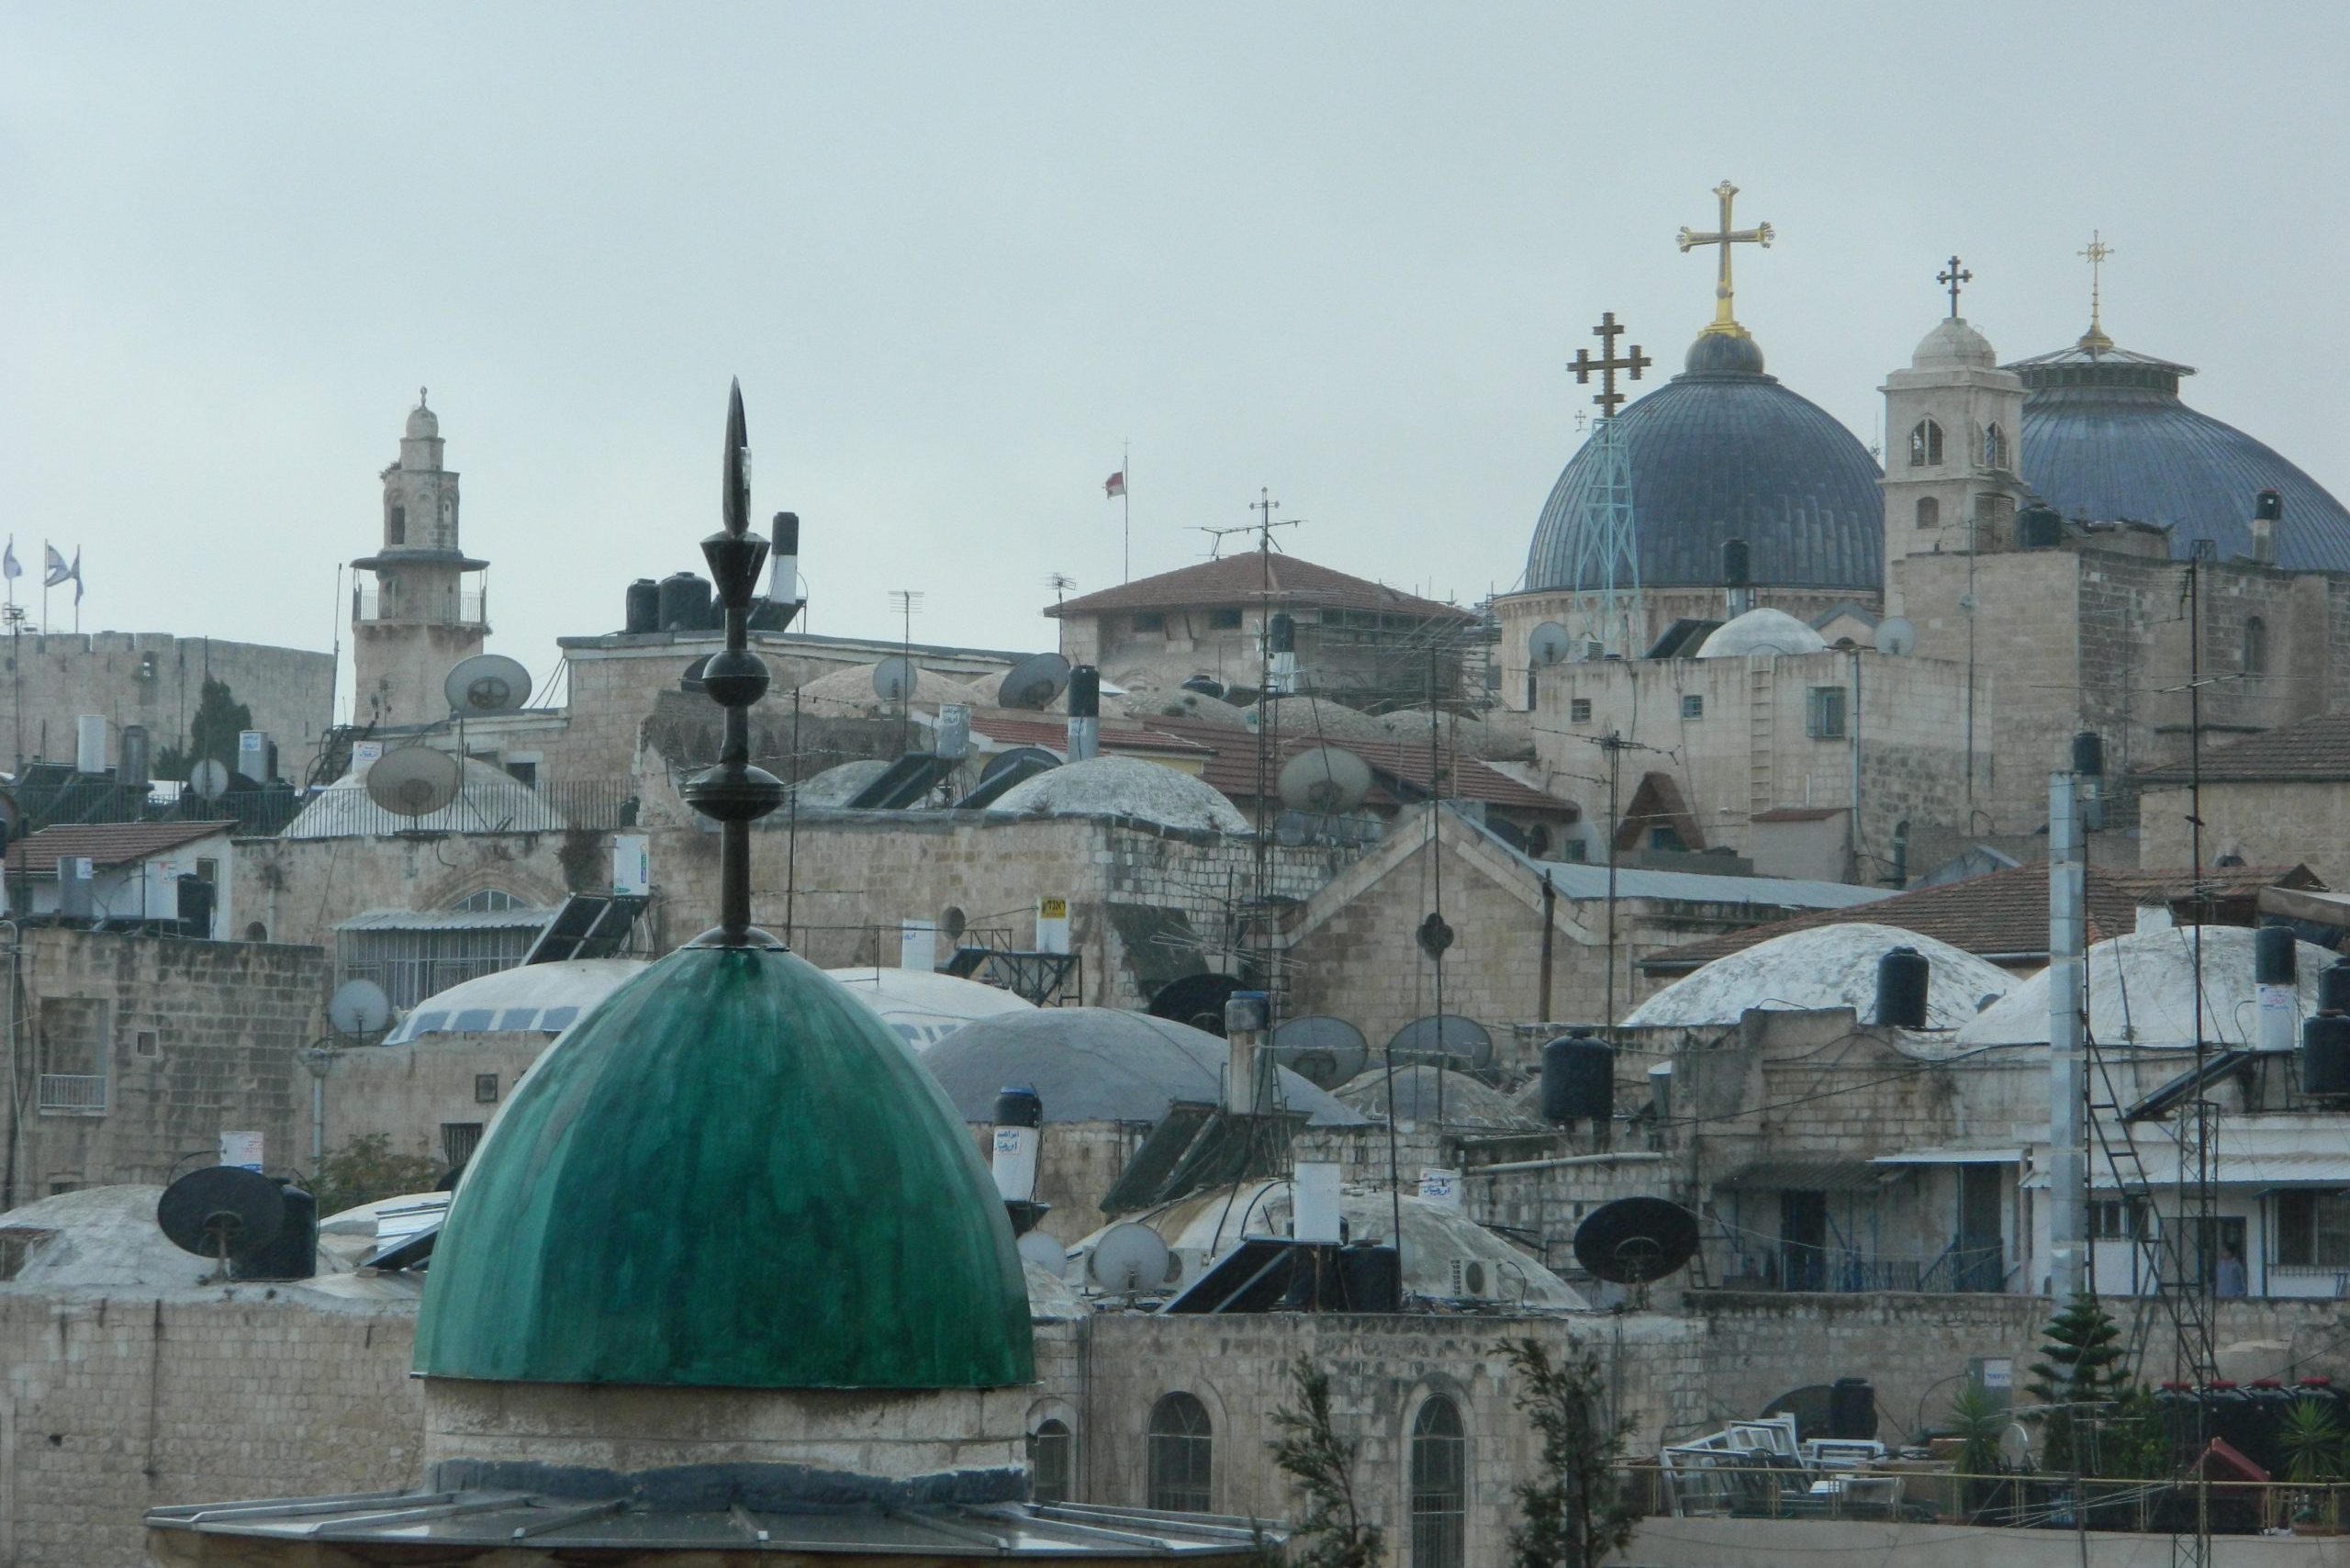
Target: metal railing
{"points": [[71, 1092], [470, 608], [1923, 1493], [1845, 1271]]}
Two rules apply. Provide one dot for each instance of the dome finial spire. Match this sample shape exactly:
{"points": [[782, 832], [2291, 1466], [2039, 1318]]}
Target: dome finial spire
{"points": [[2096, 254], [1952, 278], [1725, 323]]}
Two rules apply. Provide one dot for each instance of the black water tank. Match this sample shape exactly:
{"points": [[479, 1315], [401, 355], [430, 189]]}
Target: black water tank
{"points": [[684, 602], [644, 611], [2271, 956], [1577, 1079], [1282, 638], [293, 1253], [1904, 980], [1738, 569], [196, 897], [2268, 505], [2231, 1416], [2089, 754], [1852, 1408], [1019, 1108], [2040, 528], [2325, 1057], [2333, 987], [2270, 1400], [1371, 1278], [1084, 692]]}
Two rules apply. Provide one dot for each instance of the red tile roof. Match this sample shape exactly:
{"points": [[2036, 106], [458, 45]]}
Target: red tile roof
{"points": [[2005, 914], [1241, 579], [1232, 768], [2314, 750], [109, 844]]}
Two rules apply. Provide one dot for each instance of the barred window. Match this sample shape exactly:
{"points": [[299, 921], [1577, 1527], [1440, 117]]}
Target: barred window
{"points": [[1181, 1452], [1049, 1454], [1824, 714], [2312, 1231], [1439, 1486], [1926, 445]]}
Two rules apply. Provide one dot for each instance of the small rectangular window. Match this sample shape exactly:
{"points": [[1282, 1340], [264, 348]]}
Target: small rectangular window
{"points": [[523, 773], [1579, 710], [1150, 623], [1692, 707], [1825, 716], [208, 869], [458, 1141], [484, 1088], [146, 1043], [1224, 619]]}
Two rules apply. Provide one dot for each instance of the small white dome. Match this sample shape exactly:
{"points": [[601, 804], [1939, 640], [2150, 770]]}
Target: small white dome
{"points": [[422, 423], [1953, 345], [2141, 992], [1761, 631], [491, 800], [1824, 967], [1125, 787]]}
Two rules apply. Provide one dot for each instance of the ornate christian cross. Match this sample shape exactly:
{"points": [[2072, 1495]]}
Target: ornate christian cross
{"points": [[1761, 234], [2097, 254], [1607, 365], [1954, 276]]}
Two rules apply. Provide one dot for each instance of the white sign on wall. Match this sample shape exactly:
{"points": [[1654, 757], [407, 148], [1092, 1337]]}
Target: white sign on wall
{"points": [[918, 944], [1052, 925], [242, 1149], [1440, 1187], [631, 865], [364, 752]]}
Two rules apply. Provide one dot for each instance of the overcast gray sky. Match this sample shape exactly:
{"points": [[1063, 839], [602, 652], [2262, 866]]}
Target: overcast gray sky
{"points": [[958, 254]]}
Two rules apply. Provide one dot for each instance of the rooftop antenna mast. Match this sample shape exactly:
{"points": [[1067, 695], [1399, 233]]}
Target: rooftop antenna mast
{"points": [[734, 793], [1606, 564], [907, 602]]}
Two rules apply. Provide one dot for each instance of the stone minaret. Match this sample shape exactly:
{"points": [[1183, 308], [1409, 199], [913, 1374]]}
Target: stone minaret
{"points": [[1954, 424], [421, 616]]}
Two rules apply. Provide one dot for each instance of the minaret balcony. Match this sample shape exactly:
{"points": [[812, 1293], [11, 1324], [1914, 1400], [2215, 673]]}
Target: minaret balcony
{"points": [[373, 607]]}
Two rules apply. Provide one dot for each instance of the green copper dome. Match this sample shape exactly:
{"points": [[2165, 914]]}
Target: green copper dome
{"points": [[730, 1174]]}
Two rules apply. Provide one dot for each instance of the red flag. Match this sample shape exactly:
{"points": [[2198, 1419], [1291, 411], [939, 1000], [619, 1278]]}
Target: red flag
{"points": [[1115, 485]]}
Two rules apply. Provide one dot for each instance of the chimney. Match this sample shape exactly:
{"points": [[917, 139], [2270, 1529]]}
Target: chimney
{"points": [[1737, 578], [1249, 1076], [1084, 712], [2268, 520]]}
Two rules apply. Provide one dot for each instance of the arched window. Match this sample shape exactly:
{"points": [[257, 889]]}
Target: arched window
{"points": [[488, 899], [1995, 446], [2256, 645], [1439, 1486], [1929, 512], [1181, 1450], [1926, 445], [1049, 1455], [396, 531]]}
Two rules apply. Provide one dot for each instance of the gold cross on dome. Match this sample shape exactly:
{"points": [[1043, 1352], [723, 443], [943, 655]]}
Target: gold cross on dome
{"points": [[1726, 236], [2097, 254], [1607, 365]]}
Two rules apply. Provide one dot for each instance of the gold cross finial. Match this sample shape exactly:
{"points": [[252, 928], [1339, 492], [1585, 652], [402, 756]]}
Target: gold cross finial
{"points": [[2095, 340], [1726, 236], [1607, 365]]}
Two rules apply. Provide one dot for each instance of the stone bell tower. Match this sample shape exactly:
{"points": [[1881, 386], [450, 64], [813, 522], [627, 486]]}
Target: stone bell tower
{"points": [[427, 608], [1953, 422]]}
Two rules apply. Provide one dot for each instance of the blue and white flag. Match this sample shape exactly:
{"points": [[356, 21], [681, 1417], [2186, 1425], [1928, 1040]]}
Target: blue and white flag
{"points": [[9, 565], [58, 571]]}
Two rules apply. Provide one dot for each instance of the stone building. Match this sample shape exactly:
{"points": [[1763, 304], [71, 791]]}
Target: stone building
{"points": [[156, 680], [1362, 642], [2279, 795], [135, 872], [428, 609]]}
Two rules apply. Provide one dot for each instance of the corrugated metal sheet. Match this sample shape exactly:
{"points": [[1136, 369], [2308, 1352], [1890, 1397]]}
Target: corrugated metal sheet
{"points": [[1807, 1176], [447, 920]]}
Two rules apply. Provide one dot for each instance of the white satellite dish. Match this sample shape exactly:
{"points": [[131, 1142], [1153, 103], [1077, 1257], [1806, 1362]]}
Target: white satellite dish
{"points": [[1034, 682], [1549, 644], [487, 683], [414, 780], [1128, 1259], [1324, 780], [1324, 1051], [359, 1010], [1044, 1253], [1894, 635], [894, 679], [209, 778]]}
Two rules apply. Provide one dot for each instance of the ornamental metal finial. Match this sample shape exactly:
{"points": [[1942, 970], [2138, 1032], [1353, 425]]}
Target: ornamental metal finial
{"points": [[734, 793], [1953, 275], [1761, 234], [2095, 340], [1607, 365]]}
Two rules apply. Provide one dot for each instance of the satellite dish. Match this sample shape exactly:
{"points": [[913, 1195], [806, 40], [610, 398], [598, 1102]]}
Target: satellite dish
{"points": [[1196, 1000], [1034, 682], [1324, 1051], [1460, 1042], [1894, 635], [1634, 1240], [952, 921], [1129, 1258], [1034, 757], [414, 781], [359, 1010], [1549, 644], [487, 683], [1044, 1253], [894, 679], [209, 778], [222, 1211], [1324, 780], [2015, 1446], [1205, 686], [690, 682]]}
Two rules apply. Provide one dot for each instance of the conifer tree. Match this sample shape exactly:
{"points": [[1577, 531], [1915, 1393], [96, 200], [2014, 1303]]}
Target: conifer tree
{"points": [[2079, 1367]]}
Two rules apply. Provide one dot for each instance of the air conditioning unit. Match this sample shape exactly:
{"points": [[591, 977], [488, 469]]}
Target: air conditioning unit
{"points": [[1471, 1280]]}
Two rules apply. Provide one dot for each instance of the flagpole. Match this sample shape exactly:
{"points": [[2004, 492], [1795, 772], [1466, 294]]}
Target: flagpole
{"points": [[46, 548], [1126, 501]]}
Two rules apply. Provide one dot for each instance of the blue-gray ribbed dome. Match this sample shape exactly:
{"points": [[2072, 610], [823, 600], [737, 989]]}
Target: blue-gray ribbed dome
{"points": [[1723, 451], [2105, 436]]}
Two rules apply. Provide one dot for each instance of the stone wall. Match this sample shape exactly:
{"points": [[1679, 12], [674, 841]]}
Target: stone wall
{"points": [[57, 677], [193, 1039], [1520, 613], [412, 1094], [118, 1404], [2281, 823]]}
